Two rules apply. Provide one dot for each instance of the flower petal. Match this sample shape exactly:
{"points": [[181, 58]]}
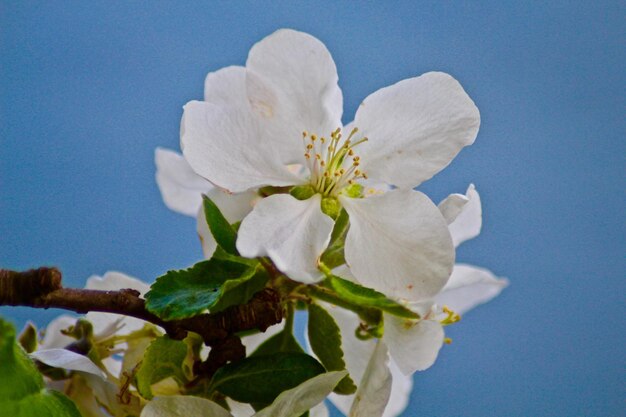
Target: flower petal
{"points": [[182, 405], [106, 322], [398, 243], [300, 399], [468, 287], [451, 206], [53, 338], [469, 221], [204, 233], [292, 85], [415, 128], [401, 388], [357, 354], [225, 146], [374, 390], [227, 87], [181, 188], [234, 207], [293, 233], [65, 359], [414, 345]]}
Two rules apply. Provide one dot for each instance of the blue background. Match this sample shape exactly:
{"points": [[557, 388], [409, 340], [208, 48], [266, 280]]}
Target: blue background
{"points": [[89, 89]]}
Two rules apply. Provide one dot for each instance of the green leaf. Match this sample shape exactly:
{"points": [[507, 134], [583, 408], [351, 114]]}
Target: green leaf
{"points": [[22, 390], [164, 358], [188, 292], [325, 340], [240, 291], [260, 379], [280, 342], [367, 297], [222, 231]]}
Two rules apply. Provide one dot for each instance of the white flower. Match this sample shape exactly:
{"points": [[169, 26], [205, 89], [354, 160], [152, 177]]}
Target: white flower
{"points": [[415, 344], [251, 129], [181, 189]]}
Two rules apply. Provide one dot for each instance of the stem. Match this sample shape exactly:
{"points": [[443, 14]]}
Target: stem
{"points": [[369, 315], [41, 288]]}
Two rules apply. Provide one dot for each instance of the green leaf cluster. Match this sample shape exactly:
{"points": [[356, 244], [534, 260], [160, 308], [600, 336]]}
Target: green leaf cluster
{"points": [[22, 389]]}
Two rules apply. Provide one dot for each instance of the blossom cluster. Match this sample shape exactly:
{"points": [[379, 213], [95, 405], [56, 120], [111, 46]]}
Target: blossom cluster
{"points": [[322, 202]]}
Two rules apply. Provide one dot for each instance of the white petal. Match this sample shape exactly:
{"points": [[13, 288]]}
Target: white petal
{"points": [[61, 358], [415, 128], [234, 207], [238, 409], [357, 352], [300, 399], [401, 388], [182, 405], [53, 338], [414, 345], [374, 390], [181, 188], [451, 206], [292, 85], [253, 341], [468, 287], [398, 243], [104, 323], [319, 410], [226, 146], [468, 223], [227, 87], [114, 280], [204, 233], [293, 233]]}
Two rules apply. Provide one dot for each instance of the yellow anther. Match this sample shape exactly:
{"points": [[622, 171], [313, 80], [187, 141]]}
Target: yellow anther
{"points": [[350, 182], [350, 152], [447, 341], [357, 172], [305, 134], [342, 171], [356, 158], [307, 156], [323, 139], [337, 174], [313, 138], [364, 175], [318, 156], [356, 163], [322, 163], [309, 147], [452, 317]]}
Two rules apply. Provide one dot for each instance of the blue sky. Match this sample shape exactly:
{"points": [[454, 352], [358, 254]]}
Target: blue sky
{"points": [[89, 89]]}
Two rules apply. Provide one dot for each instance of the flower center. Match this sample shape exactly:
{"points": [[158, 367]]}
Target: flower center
{"points": [[332, 162]]}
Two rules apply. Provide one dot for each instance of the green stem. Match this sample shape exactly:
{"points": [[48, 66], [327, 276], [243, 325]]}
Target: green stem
{"points": [[369, 315]]}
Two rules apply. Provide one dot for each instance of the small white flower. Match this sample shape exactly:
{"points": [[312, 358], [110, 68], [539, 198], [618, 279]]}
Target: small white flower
{"points": [[250, 129]]}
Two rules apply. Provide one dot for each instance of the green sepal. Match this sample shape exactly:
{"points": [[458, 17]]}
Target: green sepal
{"points": [[260, 379], [302, 192], [325, 340], [331, 207], [367, 297], [333, 256], [164, 358], [213, 284], [223, 233], [22, 389], [28, 338], [354, 190]]}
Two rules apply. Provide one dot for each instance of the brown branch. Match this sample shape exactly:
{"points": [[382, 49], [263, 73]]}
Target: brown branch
{"points": [[41, 288]]}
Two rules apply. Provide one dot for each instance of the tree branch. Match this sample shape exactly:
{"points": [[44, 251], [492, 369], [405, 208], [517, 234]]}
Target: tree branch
{"points": [[41, 288]]}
